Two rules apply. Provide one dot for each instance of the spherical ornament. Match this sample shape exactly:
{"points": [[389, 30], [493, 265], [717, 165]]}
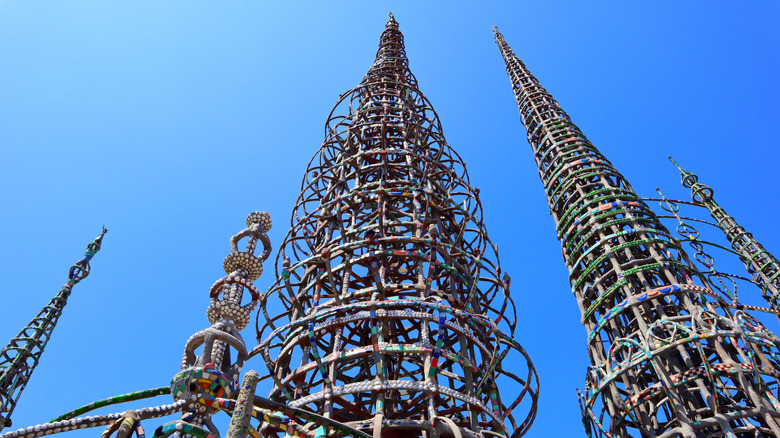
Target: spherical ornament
{"points": [[262, 218], [239, 260]]}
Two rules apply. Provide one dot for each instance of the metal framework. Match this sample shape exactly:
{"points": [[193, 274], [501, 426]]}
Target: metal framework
{"points": [[760, 263], [726, 284], [669, 357], [210, 368], [22, 354], [397, 320]]}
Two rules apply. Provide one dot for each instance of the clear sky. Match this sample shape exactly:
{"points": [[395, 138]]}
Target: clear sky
{"points": [[169, 121]]}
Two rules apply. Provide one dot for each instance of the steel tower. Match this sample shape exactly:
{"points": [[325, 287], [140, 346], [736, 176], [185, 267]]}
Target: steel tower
{"points": [[669, 358], [20, 357], [397, 319], [760, 263]]}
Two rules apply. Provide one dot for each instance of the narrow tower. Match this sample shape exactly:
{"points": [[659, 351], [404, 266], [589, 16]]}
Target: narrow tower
{"points": [[213, 357], [760, 263], [210, 368], [20, 357], [668, 359], [397, 315]]}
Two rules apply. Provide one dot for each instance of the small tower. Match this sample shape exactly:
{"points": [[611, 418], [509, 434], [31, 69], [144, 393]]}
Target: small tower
{"points": [[396, 317], [760, 263], [208, 369], [20, 357], [669, 359], [208, 380]]}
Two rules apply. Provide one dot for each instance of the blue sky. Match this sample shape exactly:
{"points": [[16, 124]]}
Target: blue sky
{"points": [[169, 121]]}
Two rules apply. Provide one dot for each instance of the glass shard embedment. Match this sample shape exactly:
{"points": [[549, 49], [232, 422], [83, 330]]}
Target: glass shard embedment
{"points": [[669, 357]]}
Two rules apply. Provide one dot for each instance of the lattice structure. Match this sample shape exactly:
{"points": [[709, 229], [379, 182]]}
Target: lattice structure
{"points": [[726, 284], [668, 357], [760, 263], [392, 291], [20, 357], [210, 368]]}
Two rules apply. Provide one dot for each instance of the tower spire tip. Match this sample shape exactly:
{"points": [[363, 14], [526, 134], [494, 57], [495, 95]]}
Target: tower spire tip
{"points": [[497, 35], [675, 163]]}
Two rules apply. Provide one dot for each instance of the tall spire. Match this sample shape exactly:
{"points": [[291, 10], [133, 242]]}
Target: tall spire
{"points": [[668, 358], [760, 263], [20, 357], [397, 317]]}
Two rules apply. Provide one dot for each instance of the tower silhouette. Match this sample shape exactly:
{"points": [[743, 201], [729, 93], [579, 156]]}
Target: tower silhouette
{"points": [[397, 317], [760, 263], [668, 357], [22, 354]]}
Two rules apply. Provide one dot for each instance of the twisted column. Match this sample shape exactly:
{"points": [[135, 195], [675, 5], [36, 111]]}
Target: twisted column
{"points": [[209, 371]]}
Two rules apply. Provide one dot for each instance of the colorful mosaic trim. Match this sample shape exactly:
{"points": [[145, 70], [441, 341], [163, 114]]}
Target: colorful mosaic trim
{"points": [[91, 421], [139, 395], [388, 278], [621, 261]]}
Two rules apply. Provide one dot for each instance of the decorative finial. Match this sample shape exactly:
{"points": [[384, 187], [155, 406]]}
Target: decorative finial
{"points": [[497, 35], [213, 370], [675, 163], [99, 238], [390, 17], [242, 267], [257, 224], [691, 181]]}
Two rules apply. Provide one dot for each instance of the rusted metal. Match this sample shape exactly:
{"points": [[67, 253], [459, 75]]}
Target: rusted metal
{"points": [[397, 317]]}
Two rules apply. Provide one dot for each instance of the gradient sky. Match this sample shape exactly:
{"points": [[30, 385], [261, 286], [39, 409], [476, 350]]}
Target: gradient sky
{"points": [[169, 121]]}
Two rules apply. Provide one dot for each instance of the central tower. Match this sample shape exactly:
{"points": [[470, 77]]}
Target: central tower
{"points": [[397, 315]]}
